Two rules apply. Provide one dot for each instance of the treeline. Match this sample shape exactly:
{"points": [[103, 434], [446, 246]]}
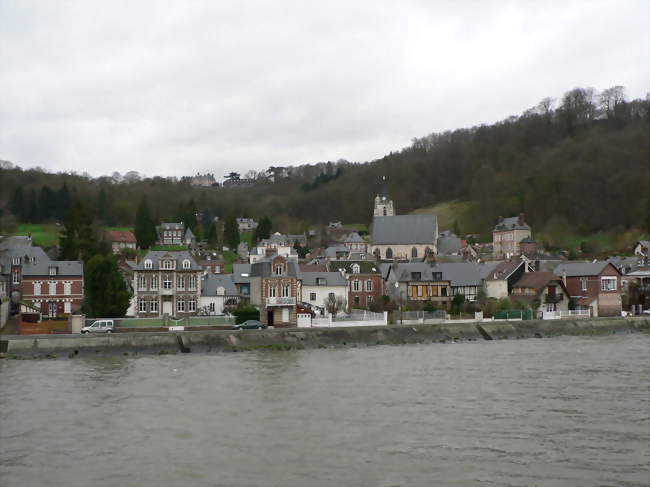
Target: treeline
{"points": [[580, 163]]}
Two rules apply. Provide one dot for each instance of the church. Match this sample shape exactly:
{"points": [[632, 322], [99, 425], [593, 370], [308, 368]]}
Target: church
{"points": [[401, 237]]}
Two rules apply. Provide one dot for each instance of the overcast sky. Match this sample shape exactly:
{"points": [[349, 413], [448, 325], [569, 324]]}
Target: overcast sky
{"points": [[176, 88]]}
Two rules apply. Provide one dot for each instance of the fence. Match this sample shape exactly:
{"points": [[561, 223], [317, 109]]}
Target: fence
{"points": [[356, 318], [559, 315], [191, 321]]}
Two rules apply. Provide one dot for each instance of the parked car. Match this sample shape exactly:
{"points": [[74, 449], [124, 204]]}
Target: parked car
{"points": [[250, 325], [646, 311], [100, 326]]}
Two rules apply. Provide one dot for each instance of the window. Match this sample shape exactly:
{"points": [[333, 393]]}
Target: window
{"points": [[355, 268], [312, 296], [180, 283], [192, 282], [443, 291], [331, 297], [142, 282], [583, 283], [52, 287], [52, 271], [389, 253], [167, 282], [414, 253], [356, 285], [142, 306], [420, 291], [277, 269], [356, 300], [368, 300], [286, 291], [186, 264], [436, 276], [272, 292], [321, 281], [154, 306], [148, 264], [154, 282], [37, 288], [416, 276], [212, 309], [369, 285], [167, 264], [67, 288], [191, 305], [180, 305], [16, 276], [67, 307], [608, 283], [15, 261]]}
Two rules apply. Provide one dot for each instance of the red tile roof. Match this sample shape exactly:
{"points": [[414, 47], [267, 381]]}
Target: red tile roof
{"points": [[119, 236]]}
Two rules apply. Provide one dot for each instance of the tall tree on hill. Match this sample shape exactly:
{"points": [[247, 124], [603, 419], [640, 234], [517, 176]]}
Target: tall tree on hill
{"points": [[106, 294], [263, 229], [145, 227], [213, 238], [103, 207], [46, 207], [18, 204], [231, 233], [77, 239], [191, 220], [32, 214], [62, 203]]}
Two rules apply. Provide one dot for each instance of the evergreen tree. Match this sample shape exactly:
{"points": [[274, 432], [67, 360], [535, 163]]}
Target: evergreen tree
{"points": [[46, 208], [63, 203], [77, 238], [145, 227], [69, 241], [263, 229], [103, 208], [106, 292], [213, 238], [191, 220], [18, 207], [231, 233], [32, 215]]}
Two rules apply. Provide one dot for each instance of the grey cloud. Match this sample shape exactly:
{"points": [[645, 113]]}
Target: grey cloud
{"points": [[173, 88]]}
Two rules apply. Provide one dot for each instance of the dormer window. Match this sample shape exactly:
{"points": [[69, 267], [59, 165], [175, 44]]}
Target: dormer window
{"points": [[15, 261], [321, 281], [148, 264], [278, 269], [186, 264], [52, 271], [416, 276], [437, 276], [356, 268], [167, 264]]}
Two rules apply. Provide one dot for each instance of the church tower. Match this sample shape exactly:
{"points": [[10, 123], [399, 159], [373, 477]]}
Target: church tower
{"points": [[383, 204]]}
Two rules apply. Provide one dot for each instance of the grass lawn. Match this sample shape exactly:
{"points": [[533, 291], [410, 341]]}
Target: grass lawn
{"points": [[229, 257], [449, 212], [169, 248], [246, 237], [44, 235], [119, 229]]}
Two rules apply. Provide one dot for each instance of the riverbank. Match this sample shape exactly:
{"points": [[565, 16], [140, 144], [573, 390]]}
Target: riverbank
{"points": [[71, 346]]}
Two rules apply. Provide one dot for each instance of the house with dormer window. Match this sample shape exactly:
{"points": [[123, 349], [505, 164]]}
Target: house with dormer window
{"points": [[166, 282], [276, 289], [365, 284]]}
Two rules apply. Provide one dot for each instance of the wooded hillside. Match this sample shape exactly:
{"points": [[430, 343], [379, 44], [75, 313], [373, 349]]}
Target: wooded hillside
{"points": [[581, 164]]}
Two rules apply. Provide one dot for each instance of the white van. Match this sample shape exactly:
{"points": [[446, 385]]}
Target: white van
{"points": [[100, 326]]}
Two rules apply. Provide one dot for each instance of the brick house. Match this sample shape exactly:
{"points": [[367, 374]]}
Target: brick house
{"points": [[166, 282], [365, 281], [120, 240], [53, 287], [594, 286], [508, 234], [276, 289]]}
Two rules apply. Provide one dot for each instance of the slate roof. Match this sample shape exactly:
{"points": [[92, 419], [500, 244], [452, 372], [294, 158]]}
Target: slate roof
{"points": [[404, 272], [171, 226], [365, 266], [263, 268], [15, 241], [536, 280], [178, 255], [238, 271], [463, 273], [211, 282], [119, 236], [504, 269], [575, 268], [331, 252], [331, 278], [404, 230], [511, 223], [64, 268], [353, 237], [449, 244], [188, 234]]}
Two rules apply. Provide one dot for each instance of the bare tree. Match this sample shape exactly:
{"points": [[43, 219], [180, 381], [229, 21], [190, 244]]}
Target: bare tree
{"points": [[610, 98], [334, 304]]}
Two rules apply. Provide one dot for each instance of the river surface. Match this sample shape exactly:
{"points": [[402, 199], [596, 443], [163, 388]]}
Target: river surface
{"points": [[570, 411]]}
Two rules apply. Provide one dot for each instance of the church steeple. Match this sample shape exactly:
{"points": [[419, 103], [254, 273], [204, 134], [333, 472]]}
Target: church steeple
{"points": [[383, 204]]}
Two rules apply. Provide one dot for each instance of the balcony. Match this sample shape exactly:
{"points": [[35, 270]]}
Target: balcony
{"points": [[281, 301]]}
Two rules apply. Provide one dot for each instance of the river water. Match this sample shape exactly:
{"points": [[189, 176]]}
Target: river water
{"points": [[570, 411]]}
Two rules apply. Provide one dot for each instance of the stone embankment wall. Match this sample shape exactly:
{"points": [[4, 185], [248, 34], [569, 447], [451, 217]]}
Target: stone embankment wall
{"points": [[70, 346]]}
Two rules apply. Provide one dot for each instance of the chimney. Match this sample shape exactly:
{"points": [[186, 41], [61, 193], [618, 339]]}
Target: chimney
{"points": [[500, 219], [564, 277], [521, 220]]}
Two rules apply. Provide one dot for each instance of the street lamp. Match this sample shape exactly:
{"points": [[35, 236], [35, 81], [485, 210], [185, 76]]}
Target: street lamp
{"points": [[401, 304]]}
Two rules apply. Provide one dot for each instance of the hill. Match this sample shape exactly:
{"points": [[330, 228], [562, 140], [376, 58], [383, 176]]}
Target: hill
{"points": [[578, 168]]}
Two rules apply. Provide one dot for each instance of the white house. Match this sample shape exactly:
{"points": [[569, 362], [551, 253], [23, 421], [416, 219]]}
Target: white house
{"points": [[217, 292], [319, 287]]}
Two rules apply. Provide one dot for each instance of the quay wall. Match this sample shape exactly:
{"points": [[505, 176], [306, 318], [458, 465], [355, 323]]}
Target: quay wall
{"points": [[71, 346]]}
